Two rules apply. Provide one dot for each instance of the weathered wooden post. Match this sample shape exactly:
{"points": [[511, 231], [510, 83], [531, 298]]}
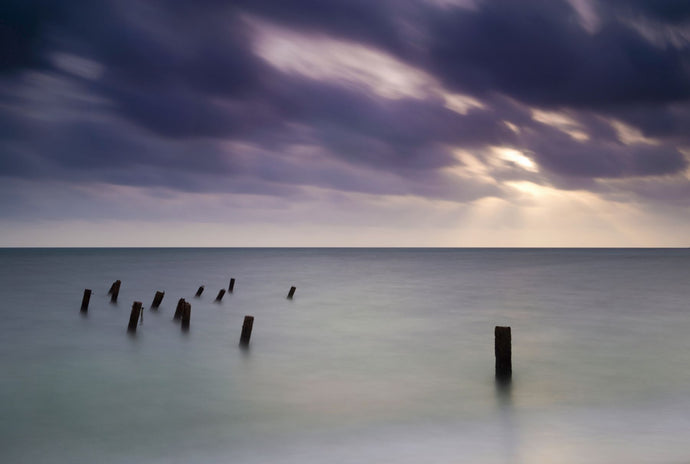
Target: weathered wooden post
{"points": [[179, 310], [502, 349], [186, 316], [231, 287], [114, 291], [134, 317], [291, 293], [85, 300], [221, 294], [157, 300], [246, 330], [200, 291]]}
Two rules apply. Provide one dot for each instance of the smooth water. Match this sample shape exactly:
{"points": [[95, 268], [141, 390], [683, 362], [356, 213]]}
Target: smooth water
{"points": [[383, 356]]}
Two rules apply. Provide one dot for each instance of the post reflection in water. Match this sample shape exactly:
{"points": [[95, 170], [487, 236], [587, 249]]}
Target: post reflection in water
{"points": [[508, 436]]}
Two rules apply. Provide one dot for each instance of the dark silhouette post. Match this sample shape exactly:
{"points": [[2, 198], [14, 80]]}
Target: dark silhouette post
{"points": [[221, 293], [157, 300], [134, 317], [246, 330], [114, 291], [186, 316], [291, 293], [231, 287], [112, 287], [85, 301], [502, 348], [199, 292], [179, 310]]}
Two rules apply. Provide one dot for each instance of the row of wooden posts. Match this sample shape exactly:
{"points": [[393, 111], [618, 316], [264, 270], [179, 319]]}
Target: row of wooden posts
{"points": [[183, 311], [502, 335]]}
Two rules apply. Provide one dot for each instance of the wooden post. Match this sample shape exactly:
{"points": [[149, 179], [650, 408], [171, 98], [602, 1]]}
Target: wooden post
{"points": [[502, 348], [246, 330], [291, 293], [134, 317], [112, 287], [179, 310], [157, 300], [200, 291], [231, 287], [85, 301], [186, 316], [221, 294], [114, 291]]}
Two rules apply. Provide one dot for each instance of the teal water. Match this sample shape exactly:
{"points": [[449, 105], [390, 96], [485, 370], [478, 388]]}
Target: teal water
{"points": [[383, 356]]}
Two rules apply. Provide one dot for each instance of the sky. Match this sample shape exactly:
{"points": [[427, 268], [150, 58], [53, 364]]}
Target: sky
{"points": [[451, 123]]}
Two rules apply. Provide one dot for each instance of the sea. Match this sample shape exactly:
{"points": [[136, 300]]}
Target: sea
{"points": [[382, 356]]}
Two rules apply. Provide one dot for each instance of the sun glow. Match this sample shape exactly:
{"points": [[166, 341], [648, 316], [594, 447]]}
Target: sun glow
{"points": [[517, 157]]}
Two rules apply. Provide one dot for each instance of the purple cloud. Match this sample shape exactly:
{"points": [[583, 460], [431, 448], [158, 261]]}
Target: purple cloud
{"points": [[177, 96]]}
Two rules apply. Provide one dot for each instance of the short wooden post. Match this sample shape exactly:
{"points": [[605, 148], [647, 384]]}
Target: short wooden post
{"points": [[502, 348], [112, 287], [157, 300], [221, 294], [246, 330], [134, 317], [291, 293], [231, 287], [179, 310], [200, 291], [85, 301], [186, 316], [114, 291]]}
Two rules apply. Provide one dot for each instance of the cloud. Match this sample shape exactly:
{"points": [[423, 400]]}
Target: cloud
{"points": [[669, 11], [536, 51], [277, 99]]}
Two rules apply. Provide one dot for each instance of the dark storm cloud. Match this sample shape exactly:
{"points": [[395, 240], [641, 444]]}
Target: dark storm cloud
{"points": [[22, 32], [190, 106], [669, 122], [565, 156], [393, 134], [537, 52], [670, 11]]}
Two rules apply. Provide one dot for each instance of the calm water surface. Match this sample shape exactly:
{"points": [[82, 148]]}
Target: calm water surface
{"points": [[383, 356]]}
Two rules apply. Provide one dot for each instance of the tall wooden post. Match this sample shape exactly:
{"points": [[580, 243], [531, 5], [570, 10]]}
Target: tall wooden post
{"points": [[246, 330], [221, 293], [200, 291], [186, 316], [231, 287], [114, 291], [502, 349], [134, 317], [291, 293], [157, 300], [85, 301]]}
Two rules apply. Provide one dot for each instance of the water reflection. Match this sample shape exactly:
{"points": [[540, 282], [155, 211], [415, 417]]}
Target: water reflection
{"points": [[508, 427], [504, 392]]}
